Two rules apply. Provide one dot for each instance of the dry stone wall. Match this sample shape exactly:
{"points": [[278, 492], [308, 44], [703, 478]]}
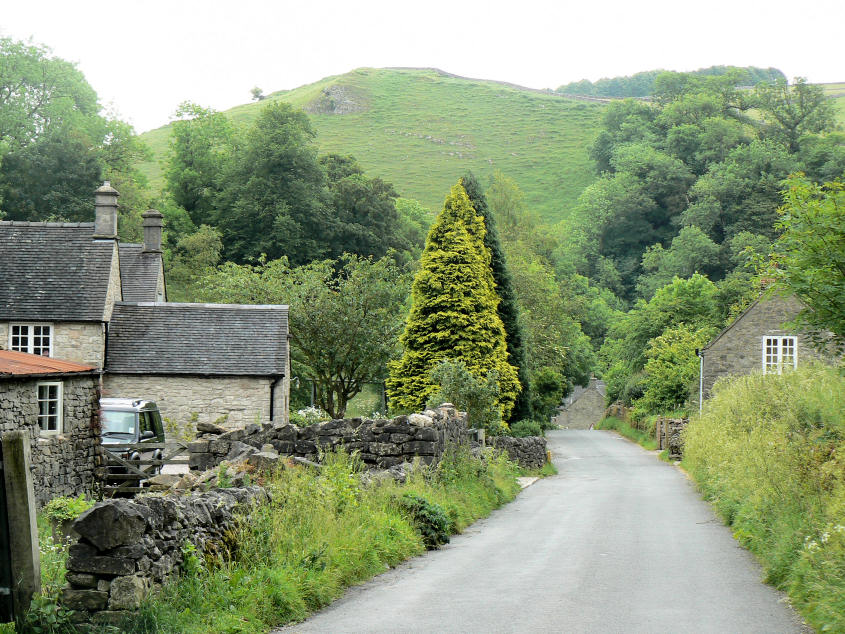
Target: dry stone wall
{"points": [[669, 432], [126, 548], [529, 452], [381, 443]]}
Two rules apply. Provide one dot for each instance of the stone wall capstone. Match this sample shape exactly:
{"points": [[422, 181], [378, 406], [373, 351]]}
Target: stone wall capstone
{"points": [[128, 547]]}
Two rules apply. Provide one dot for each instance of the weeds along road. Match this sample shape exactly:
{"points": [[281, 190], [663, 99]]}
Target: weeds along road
{"points": [[617, 542]]}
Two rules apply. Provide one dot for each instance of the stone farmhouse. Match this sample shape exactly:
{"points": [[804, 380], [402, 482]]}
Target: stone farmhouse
{"points": [[756, 341], [57, 401], [72, 291]]}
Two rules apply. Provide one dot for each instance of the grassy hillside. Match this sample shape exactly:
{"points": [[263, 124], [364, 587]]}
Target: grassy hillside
{"points": [[420, 129], [837, 93]]}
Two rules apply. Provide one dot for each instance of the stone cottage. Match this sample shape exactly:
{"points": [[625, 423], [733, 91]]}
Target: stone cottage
{"points": [[63, 282], [60, 281], [583, 408], [57, 402], [201, 361], [756, 341]]}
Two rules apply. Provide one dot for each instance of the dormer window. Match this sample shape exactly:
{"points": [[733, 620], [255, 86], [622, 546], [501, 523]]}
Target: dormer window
{"points": [[31, 338], [779, 353]]}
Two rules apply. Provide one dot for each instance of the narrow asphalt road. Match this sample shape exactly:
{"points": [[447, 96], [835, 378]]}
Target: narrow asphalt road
{"points": [[617, 542]]}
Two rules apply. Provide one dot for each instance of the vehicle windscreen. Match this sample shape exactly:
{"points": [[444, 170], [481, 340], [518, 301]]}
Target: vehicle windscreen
{"points": [[113, 422]]}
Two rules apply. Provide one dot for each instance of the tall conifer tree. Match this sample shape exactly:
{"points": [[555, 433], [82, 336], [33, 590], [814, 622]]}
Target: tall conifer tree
{"points": [[454, 313], [508, 308]]}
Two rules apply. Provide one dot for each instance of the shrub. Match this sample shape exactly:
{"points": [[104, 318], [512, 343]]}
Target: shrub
{"points": [[429, 519], [769, 451], [523, 428], [62, 509], [476, 396]]}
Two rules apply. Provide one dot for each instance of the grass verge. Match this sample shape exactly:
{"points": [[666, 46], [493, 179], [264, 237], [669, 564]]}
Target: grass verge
{"points": [[769, 453], [637, 435], [323, 532]]}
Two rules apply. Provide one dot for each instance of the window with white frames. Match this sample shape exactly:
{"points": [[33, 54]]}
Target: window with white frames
{"points": [[31, 338], [50, 408], [779, 353]]}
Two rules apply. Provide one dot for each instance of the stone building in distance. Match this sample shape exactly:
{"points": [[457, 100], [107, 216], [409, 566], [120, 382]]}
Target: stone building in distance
{"points": [[583, 408]]}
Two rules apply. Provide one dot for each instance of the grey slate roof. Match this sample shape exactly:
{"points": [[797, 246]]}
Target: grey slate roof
{"points": [[197, 339], [139, 273], [53, 271]]}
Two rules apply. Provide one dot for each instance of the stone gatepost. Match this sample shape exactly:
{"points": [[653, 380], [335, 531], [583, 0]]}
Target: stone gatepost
{"points": [[20, 514]]}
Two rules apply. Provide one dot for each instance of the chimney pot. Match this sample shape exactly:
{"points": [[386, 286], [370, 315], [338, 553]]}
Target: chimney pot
{"points": [[153, 222], [105, 211]]}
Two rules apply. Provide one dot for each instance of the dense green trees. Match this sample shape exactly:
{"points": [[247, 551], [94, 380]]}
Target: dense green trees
{"points": [[56, 144], [454, 311], [683, 176], [268, 192], [648, 82], [809, 256]]}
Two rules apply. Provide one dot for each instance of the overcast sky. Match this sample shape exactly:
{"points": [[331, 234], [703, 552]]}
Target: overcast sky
{"points": [[145, 57]]}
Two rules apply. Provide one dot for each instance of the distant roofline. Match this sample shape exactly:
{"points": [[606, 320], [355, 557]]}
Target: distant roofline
{"points": [[27, 223], [189, 304]]}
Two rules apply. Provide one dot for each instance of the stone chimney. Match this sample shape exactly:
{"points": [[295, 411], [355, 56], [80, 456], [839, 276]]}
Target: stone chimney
{"points": [[152, 230], [105, 212]]}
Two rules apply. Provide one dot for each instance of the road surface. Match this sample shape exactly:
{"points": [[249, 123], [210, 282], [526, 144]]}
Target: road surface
{"points": [[617, 542]]}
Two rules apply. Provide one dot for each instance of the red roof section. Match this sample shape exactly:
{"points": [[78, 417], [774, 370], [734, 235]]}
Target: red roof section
{"points": [[22, 364]]}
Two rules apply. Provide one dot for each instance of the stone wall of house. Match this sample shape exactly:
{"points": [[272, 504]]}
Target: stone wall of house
{"points": [[529, 452], [64, 464], [739, 350], [381, 443], [241, 400], [82, 342], [127, 548], [583, 413]]}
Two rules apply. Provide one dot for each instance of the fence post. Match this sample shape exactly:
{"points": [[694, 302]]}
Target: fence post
{"points": [[20, 511]]}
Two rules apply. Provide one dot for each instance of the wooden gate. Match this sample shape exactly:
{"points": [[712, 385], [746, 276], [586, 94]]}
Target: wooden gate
{"points": [[128, 476]]}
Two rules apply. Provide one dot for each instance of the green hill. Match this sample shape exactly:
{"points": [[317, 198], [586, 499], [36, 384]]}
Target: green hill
{"points": [[837, 93], [421, 129]]}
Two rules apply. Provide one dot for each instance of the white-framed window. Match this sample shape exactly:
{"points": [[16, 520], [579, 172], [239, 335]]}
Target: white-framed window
{"points": [[31, 338], [50, 408], [779, 353]]}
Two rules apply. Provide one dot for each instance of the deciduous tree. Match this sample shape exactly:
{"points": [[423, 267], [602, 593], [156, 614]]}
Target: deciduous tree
{"points": [[809, 256], [345, 317]]}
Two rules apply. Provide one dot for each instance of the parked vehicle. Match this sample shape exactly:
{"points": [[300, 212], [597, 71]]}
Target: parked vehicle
{"points": [[125, 421]]}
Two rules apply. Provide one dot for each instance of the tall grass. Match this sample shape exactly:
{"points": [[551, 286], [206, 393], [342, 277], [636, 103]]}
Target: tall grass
{"points": [[769, 452], [322, 532]]}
